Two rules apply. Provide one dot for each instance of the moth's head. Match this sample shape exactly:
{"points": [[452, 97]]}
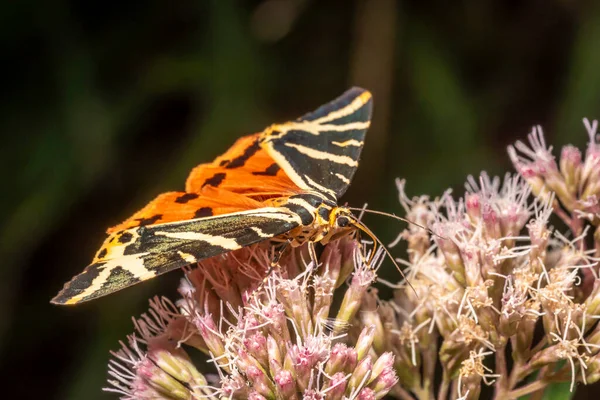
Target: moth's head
{"points": [[341, 217]]}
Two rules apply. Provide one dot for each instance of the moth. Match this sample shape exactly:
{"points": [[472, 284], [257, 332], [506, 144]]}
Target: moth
{"points": [[283, 182]]}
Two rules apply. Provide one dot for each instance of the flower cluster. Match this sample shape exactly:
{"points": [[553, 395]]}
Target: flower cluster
{"points": [[492, 284], [493, 296], [574, 180], [277, 338]]}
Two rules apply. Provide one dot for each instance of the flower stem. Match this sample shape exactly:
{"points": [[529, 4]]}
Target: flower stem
{"points": [[515, 372], [502, 370], [443, 392], [422, 394], [563, 215], [539, 346], [454, 389], [429, 360], [400, 393], [527, 389]]}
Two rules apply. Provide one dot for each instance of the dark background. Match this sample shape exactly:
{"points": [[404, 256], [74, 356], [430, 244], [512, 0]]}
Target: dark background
{"points": [[106, 104]]}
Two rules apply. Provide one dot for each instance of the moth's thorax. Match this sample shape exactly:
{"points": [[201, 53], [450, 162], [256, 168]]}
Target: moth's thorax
{"points": [[327, 220]]}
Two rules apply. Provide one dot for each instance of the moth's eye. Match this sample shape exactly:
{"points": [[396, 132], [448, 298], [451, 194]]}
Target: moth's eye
{"points": [[343, 222]]}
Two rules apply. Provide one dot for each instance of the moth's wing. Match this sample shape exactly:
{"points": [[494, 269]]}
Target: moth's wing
{"points": [[320, 151], [134, 255], [245, 168], [241, 179], [181, 206]]}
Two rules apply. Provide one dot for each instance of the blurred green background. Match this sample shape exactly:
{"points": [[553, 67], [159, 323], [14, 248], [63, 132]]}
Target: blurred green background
{"points": [[106, 104]]}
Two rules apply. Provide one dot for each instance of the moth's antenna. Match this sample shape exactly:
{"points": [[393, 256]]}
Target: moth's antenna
{"points": [[394, 216], [376, 241]]}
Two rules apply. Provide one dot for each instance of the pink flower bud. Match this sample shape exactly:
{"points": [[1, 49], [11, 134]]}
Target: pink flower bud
{"points": [[361, 374], [366, 394], [364, 342], [336, 387], [473, 206], [257, 346], [570, 167], [260, 382], [286, 384]]}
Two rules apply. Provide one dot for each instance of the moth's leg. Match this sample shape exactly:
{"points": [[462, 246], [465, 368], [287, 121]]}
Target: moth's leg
{"points": [[313, 254], [278, 253], [278, 250]]}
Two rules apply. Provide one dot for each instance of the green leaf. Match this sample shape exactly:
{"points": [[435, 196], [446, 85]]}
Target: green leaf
{"points": [[558, 391]]}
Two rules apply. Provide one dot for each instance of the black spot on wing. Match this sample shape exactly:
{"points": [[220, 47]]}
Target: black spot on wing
{"points": [[184, 198], [215, 180], [241, 160], [102, 253], [125, 237], [270, 171], [223, 162], [149, 221], [203, 212]]}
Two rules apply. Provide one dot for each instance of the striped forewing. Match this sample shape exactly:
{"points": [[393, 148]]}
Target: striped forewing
{"points": [[142, 253], [320, 151]]}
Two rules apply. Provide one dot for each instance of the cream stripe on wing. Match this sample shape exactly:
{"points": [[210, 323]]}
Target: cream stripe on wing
{"points": [[226, 243], [133, 264], [351, 142], [315, 129], [343, 178], [349, 109], [314, 185], [265, 211], [345, 127], [260, 232], [302, 203], [322, 155], [286, 166], [281, 216], [187, 257]]}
